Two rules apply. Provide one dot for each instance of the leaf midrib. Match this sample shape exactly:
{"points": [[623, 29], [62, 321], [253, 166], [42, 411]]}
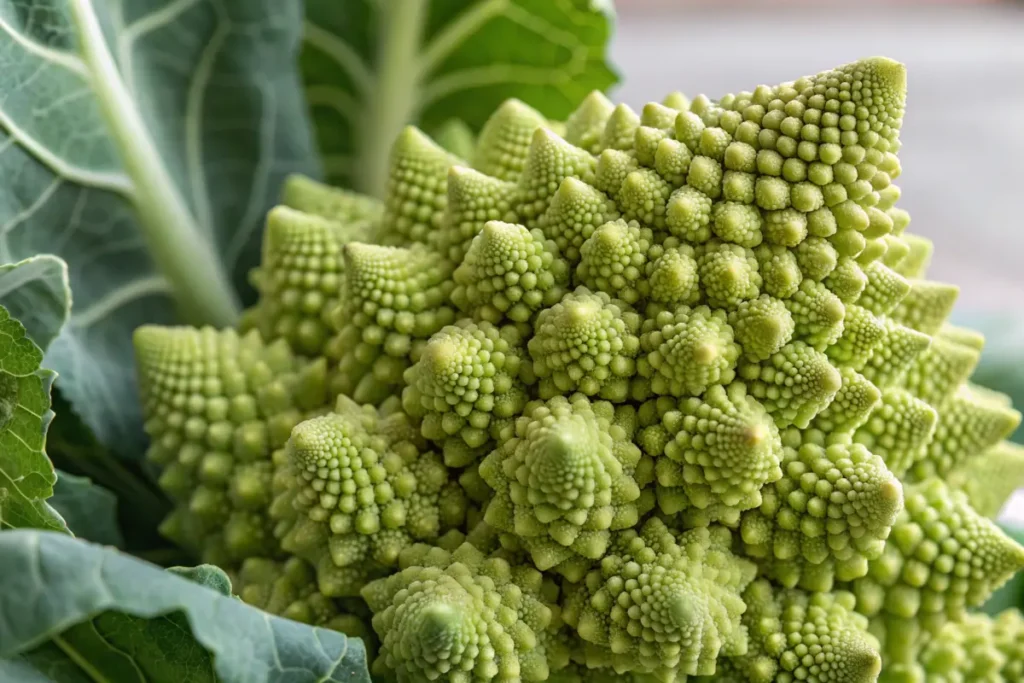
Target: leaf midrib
{"points": [[184, 255]]}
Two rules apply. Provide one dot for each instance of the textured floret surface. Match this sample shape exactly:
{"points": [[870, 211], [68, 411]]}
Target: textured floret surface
{"points": [[646, 396]]}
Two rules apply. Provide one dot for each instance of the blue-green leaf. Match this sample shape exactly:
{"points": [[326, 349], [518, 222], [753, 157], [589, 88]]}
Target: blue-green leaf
{"points": [[142, 141], [37, 294], [372, 67], [70, 606], [89, 510]]}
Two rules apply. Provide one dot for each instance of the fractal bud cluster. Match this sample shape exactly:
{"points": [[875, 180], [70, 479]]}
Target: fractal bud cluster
{"points": [[636, 396]]}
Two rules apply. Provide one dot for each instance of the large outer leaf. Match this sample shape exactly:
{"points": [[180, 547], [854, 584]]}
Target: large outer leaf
{"points": [[26, 474], [371, 67], [142, 141], [37, 294], [64, 596], [90, 511]]}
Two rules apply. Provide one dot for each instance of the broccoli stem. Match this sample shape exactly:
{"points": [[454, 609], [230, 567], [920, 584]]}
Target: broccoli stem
{"points": [[392, 102], [181, 250]]}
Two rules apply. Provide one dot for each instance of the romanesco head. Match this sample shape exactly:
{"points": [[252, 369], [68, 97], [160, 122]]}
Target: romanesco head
{"points": [[596, 377]]}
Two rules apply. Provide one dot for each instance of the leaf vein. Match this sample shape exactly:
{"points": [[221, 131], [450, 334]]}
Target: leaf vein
{"points": [[58, 57]]}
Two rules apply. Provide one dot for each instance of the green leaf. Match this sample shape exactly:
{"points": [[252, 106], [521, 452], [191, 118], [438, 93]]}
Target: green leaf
{"points": [[89, 510], [376, 66], [120, 619], [37, 294], [142, 142], [26, 474]]}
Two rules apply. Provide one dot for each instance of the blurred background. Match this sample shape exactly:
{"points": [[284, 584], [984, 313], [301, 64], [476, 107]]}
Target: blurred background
{"points": [[963, 135]]}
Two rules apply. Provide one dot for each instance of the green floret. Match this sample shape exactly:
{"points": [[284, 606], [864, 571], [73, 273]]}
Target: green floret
{"points": [[940, 370], [312, 197], [570, 476], [612, 168], [417, 189], [853, 403], [473, 199], [916, 262], [357, 490], [216, 404], [825, 518], [643, 197], [794, 384], [587, 342], [586, 124], [899, 430], [728, 274], [762, 327], [926, 306], [862, 334], [895, 354], [662, 603], [459, 617], [686, 352], [509, 273], [976, 648], [848, 281], [990, 479], [817, 258], [795, 636], [466, 387], [288, 589], [719, 450], [688, 215], [786, 227], [969, 424], [300, 277], [671, 279], [818, 315], [647, 141], [737, 223], [551, 160], [613, 260], [620, 129], [672, 162], [575, 212], [504, 142], [884, 291], [395, 298], [941, 559], [780, 271]]}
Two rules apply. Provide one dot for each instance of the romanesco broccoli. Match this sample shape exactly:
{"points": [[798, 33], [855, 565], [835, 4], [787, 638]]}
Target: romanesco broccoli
{"points": [[638, 396]]}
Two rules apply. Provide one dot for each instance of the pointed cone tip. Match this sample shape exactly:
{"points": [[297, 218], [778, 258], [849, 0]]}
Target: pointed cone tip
{"points": [[755, 434], [497, 229], [440, 355], [705, 353], [684, 610], [578, 312], [831, 380], [890, 73]]}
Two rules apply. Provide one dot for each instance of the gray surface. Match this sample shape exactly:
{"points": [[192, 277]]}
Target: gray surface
{"points": [[963, 136]]}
